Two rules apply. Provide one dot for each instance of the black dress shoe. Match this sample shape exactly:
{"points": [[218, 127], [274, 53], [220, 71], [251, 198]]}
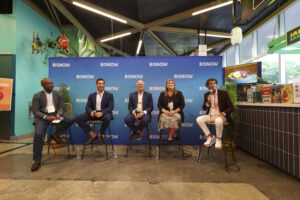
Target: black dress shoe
{"points": [[89, 140], [36, 165]]}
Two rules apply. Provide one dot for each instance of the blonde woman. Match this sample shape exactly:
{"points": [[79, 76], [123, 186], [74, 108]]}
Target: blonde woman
{"points": [[170, 104]]}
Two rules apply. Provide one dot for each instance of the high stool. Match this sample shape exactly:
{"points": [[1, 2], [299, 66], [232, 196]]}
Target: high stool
{"points": [[228, 166], [93, 123], [68, 135], [175, 141], [129, 145]]}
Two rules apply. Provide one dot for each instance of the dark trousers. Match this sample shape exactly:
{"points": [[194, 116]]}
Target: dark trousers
{"points": [[41, 126], [83, 118], [129, 121]]}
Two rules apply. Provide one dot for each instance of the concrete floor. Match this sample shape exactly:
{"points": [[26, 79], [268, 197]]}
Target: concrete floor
{"points": [[137, 176]]}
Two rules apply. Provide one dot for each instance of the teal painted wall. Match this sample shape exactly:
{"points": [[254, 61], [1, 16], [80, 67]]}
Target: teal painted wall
{"points": [[30, 68], [8, 31]]}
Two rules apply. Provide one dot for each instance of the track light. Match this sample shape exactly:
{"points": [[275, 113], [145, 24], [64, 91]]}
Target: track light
{"points": [[214, 35], [212, 8], [116, 37], [98, 12], [139, 47]]}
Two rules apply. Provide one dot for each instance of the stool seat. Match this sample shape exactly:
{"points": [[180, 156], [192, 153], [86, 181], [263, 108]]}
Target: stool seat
{"points": [[229, 167], [100, 122], [129, 145]]}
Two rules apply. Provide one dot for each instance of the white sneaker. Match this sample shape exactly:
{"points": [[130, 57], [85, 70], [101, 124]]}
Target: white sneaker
{"points": [[218, 144], [210, 141]]}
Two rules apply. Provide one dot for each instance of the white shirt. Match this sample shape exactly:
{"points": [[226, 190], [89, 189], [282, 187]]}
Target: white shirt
{"points": [[139, 106], [99, 100], [214, 106], [50, 100]]}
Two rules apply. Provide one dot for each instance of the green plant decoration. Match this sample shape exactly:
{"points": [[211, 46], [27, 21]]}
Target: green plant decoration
{"points": [[63, 90]]}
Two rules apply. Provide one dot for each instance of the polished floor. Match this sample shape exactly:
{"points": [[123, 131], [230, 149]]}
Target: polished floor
{"points": [[137, 176]]}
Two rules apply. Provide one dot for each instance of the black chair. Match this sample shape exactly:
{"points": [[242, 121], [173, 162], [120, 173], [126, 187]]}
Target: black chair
{"points": [[177, 141], [129, 145], [228, 166], [93, 123], [68, 111]]}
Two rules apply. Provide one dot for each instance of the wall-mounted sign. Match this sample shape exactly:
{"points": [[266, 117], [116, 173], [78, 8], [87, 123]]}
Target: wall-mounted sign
{"points": [[293, 36], [5, 94]]}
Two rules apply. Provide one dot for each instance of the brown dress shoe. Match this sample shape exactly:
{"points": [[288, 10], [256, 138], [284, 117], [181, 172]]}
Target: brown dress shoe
{"points": [[139, 135], [36, 165], [101, 140], [91, 139]]}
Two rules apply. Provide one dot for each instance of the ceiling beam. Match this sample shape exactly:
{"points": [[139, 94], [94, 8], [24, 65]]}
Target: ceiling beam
{"points": [[51, 13], [179, 16], [159, 41], [115, 49], [169, 29], [56, 15], [76, 23], [39, 11], [183, 15], [130, 22]]}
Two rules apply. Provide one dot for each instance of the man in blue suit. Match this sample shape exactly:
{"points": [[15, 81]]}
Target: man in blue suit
{"points": [[99, 107], [140, 107]]}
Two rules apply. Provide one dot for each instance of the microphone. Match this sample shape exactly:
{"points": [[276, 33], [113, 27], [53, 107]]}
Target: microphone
{"points": [[210, 92]]}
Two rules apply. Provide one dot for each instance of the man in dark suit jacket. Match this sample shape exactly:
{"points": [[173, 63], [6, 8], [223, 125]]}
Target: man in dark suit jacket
{"points": [[140, 106], [47, 105], [99, 107], [219, 108]]}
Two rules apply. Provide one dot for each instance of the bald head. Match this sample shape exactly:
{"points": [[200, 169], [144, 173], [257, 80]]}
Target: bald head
{"points": [[140, 86], [47, 84]]}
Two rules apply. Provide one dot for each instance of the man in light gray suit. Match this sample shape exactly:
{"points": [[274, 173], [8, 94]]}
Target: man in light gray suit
{"points": [[47, 105]]}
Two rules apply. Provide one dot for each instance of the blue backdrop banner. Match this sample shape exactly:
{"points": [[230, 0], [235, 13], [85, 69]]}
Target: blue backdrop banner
{"points": [[122, 73]]}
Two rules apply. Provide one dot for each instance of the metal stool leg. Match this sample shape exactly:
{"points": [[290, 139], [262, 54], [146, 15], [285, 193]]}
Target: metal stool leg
{"points": [[49, 138], [112, 145], [149, 141], [129, 142], [159, 142], [71, 138]]}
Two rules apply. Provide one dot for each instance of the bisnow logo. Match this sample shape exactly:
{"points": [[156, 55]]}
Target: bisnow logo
{"points": [[186, 124], [202, 88], [61, 64], [202, 112], [158, 64], [208, 64], [59, 88], [126, 100], [109, 64], [133, 76], [115, 112], [112, 88], [183, 76], [188, 100], [85, 76], [156, 88], [155, 112], [81, 100], [156, 137]]}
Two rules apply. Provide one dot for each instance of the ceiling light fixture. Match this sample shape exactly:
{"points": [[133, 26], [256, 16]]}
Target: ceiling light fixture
{"points": [[139, 47], [99, 12], [213, 35], [212, 8], [116, 37]]}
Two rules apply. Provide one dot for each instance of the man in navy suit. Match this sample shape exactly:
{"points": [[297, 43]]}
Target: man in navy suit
{"points": [[99, 107], [140, 106]]}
